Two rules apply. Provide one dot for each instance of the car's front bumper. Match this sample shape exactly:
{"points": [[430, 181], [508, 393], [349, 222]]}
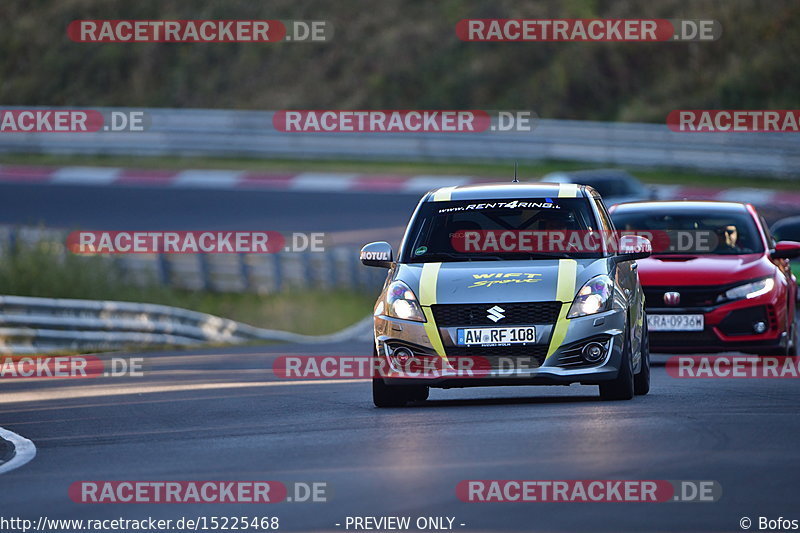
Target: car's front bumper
{"points": [[535, 364], [727, 327]]}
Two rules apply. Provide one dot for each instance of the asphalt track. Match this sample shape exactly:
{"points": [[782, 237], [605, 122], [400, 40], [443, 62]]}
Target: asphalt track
{"points": [[222, 415], [141, 208]]}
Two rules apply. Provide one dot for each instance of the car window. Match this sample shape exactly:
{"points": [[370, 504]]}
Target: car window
{"points": [[433, 230], [698, 232], [767, 233]]}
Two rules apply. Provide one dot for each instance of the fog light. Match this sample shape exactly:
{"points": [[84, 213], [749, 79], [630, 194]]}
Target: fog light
{"points": [[759, 327], [402, 355], [593, 352]]}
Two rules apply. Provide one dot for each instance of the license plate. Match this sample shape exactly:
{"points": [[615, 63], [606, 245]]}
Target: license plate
{"points": [[675, 322], [513, 335]]}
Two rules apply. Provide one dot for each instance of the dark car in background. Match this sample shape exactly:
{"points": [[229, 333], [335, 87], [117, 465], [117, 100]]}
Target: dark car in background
{"points": [[614, 185]]}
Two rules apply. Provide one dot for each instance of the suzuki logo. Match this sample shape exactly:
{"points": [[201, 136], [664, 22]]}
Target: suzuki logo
{"points": [[672, 298], [495, 313]]}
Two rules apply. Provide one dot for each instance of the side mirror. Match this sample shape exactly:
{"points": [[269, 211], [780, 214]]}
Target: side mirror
{"points": [[377, 254], [786, 250], [633, 247]]}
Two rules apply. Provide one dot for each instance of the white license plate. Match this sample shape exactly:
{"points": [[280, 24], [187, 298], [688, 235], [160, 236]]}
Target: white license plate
{"points": [[675, 322], [513, 335]]}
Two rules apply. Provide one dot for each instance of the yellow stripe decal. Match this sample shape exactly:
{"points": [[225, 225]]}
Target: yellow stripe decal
{"points": [[443, 194], [568, 190], [565, 293], [427, 297], [427, 283]]}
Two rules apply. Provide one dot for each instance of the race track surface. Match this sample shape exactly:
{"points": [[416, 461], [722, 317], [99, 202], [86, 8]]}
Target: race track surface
{"points": [[220, 414]]}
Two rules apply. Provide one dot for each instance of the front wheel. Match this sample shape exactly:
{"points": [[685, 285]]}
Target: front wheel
{"points": [[384, 395], [620, 388], [793, 350]]}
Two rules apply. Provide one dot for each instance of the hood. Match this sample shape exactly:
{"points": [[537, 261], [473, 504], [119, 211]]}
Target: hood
{"points": [[500, 281], [711, 270]]}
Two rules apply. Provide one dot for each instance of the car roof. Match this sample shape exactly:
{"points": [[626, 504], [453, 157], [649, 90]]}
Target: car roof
{"points": [[681, 206], [490, 191], [787, 222]]}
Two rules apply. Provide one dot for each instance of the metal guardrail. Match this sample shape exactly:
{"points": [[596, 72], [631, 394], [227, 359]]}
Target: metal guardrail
{"points": [[336, 267], [229, 133], [41, 325]]}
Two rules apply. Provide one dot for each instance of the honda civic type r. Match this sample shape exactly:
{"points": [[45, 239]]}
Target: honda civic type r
{"points": [[720, 283], [532, 317]]}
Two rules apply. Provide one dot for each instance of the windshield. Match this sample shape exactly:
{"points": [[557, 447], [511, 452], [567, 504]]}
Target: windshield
{"points": [[720, 233], [439, 230]]}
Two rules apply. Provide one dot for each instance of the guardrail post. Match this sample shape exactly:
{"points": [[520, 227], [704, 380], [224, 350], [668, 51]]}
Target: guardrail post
{"points": [[244, 270], [205, 271], [278, 271], [308, 274], [163, 269]]}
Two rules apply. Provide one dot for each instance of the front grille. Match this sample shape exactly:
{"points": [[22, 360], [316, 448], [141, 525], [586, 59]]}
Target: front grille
{"points": [[448, 315], [690, 296], [503, 357]]}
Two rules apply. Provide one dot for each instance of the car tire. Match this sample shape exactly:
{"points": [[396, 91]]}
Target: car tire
{"points": [[620, 388], [789, 350], [641, 381], [384, 395], [793, 350]]}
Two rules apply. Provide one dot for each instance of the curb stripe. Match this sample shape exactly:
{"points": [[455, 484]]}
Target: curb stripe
{"points": [[336, 182], [24, 450]]}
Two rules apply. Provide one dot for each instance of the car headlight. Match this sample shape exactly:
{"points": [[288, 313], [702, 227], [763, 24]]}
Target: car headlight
{"points": [[594, 297], [401, 302], [750, 290]]}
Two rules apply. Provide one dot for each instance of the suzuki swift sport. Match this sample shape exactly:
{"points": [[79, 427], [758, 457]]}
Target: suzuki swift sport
{"points": [[504, 277]]}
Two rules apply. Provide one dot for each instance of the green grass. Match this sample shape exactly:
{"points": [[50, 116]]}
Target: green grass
{"points": [[527, 170], [44, 272]]}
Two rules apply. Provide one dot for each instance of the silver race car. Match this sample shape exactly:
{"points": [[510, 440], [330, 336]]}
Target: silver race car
{"points": [[509, 284]]}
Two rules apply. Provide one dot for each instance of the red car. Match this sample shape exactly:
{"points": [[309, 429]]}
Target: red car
{"points": [[717, 280]]}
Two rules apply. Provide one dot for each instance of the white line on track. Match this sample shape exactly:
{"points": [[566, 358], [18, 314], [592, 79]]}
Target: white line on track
{"points": [[24, 450]]}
